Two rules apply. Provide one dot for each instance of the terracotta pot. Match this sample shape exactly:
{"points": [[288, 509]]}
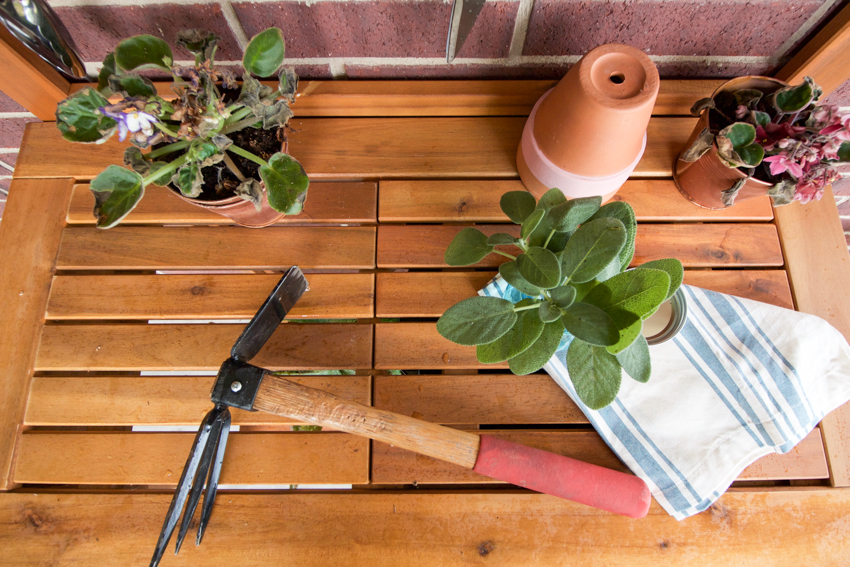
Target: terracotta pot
{"points": [[587, 134], [704, 180]]}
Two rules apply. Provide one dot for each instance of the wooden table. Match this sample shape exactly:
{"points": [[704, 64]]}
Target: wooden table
{"points": [[91, 317]]}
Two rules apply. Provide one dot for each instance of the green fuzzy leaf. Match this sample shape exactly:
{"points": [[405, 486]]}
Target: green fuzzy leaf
{"points": [[609, 271], [635, 360], [501, 239], [563, 296], [288, 84], [751, 155], [591, 248], [748, 97], [517, 205], [477, 320], [549, 312], [116, 192], [286, 183], [844, 152], [794, 99], [106, 71], [551, 198], [264, 53], [189, 180], [540, 267], [538, 354], [143, 52], [557, 243], [132, 85], [673, 268], [522, 335], [198, 42], [628, 324], [530, 223], [201, 150], [566, 217], [782, 193], [510, 272], [469, 246], [624, 213], [595, 373], [251, 190], [760, 118], [590, 324], [740, 134], [583, 289], [735, 145], [701, 105], [640, 291], [135, 160], [727, 197], [79, 119], [701, 145]]}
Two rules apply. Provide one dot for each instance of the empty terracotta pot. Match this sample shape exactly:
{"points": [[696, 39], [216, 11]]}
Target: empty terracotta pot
{"points": [[586, 135]]}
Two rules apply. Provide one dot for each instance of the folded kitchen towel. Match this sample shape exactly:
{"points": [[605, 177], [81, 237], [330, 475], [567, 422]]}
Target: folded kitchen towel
{"points": [[742, 379]]}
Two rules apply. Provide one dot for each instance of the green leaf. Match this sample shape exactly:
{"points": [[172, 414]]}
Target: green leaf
{"points": [[794, 99], [517, 205], [79, 119], [530, 223], [640, 291], [760, 118], [135, 160], [591, 248], [727, 196], [522, 335], [264, 53], [563, 296], [202, 150], [556, 244], [469, 246], [549, 312], [748, 97], [635, 360], [501, 239], [251, 190], [751, 155], [538, 354], [288, 84], [595, 373], [143, 52], [624, 213], [551, 198], [198, 42], [132, 85], [701, 105], [540, 267], [701, 145], [510, 272], [844, 151], [106, 71], [740, 134], [736, 145], [566, 217], [189, 180], [673, 268], [286, 183], [782, 193], [477, 320], [116, 192], [609, 271], [590, 324], [583, 289], [628, 324]]}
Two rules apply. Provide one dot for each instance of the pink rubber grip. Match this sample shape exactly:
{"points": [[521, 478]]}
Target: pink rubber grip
{"points": [[561, 476]]}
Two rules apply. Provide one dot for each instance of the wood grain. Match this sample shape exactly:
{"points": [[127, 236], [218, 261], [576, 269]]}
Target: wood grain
{"points": [[326, 203], [697, 246], [202, 247], [158, 458], [29, 80], [204, 296], [29, 239], [280, 396], [478, 201], [767, 286], [418, 346], [162, 400], [200, 347]]}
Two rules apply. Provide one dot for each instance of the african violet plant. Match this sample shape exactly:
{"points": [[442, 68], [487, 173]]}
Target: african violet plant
{"points": [[783, 138], [570, 273], [193, 128]]}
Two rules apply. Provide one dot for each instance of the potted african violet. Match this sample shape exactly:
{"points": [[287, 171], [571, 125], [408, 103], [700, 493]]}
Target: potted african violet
{"points": [[216, 144], [573, 283], [759, 136]]}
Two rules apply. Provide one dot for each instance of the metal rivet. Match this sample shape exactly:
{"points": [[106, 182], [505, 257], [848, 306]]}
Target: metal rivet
{"points": [[236, 386]]}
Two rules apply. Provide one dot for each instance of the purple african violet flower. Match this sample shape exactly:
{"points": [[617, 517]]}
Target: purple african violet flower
{"points": [[131, 120]]}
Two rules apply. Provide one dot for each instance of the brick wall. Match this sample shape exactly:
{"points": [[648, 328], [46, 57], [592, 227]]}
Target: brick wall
{"points": [[534, 39]]}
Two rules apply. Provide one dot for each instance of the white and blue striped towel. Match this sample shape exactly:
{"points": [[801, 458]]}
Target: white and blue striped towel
{"points": [[741, 380]]}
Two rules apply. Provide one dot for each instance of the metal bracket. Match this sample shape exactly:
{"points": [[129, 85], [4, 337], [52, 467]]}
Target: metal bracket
{"points": [[237, 384]]}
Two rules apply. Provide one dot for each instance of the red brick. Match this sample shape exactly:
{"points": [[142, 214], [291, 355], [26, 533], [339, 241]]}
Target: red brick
{"points": [[353, 29], [9, 105], [98, 29], [12, 130], [456, 71], [684, 27], [841, 188], [4, 185], [313, 72], [708, 70], [8, 158], [840, 96], [844, 211], [491, 35]]}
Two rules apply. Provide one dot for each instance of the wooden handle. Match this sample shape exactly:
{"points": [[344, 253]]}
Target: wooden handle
{"points": [[279, 396]]}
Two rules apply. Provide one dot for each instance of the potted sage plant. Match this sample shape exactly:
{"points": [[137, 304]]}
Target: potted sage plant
{"points": [[215, 144], [571, 272]]}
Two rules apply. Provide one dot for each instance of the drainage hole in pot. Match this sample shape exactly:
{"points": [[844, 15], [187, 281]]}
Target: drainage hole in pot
{"points": [[617, 78]]}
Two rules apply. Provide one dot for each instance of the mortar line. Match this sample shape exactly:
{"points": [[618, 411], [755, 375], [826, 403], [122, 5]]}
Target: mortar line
{"points": [[813, 20], [523, 16], [17, 115], [232, 20]]}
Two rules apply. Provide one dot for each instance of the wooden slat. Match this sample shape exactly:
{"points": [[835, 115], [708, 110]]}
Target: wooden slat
{"points": [[697, 246], [326, 203], [202, 247], [29, 80], [204, 296], [162, 401], [478, 201], [429, 294], [29, 239], [158, 458], [477, 399], [200, 347], [391, 465], [418, 346], [367, 148], [786, 528]]}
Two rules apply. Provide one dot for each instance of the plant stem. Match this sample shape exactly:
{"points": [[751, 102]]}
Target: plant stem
{"points": [[240, 125], [527, 307], [248, 155], [238, 115], [152, 178], [551, 234], [505, 254], [159, 126], [169, 148], [231, 165]]}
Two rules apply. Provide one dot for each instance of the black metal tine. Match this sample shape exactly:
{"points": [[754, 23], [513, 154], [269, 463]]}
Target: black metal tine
{"points": [[183, 486], [215, 472], [201, 476]]}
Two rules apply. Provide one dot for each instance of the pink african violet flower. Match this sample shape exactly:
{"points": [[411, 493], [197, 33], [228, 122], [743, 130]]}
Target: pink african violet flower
{"points": [[741, 112], [780, 164], [808, 191]]}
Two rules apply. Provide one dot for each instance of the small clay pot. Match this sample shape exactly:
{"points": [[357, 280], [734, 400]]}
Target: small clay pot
{"points": [[703, 181], [587, 134]]}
